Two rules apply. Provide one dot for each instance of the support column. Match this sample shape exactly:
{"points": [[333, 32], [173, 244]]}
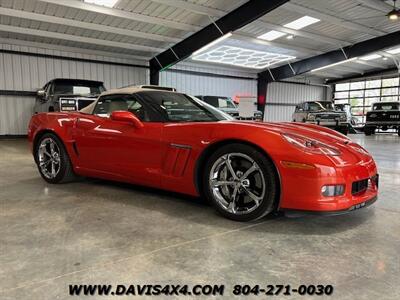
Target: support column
{"points": [[261, 92], [154, 74]]}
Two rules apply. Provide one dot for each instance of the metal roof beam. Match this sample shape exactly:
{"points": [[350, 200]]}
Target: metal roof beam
{"points": [[326, 59], [239, 17], [332, 19], [75, 38], [124, 14], [84, 25]]}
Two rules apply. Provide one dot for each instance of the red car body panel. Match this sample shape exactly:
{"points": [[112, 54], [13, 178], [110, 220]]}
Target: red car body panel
{"points": [[165, 155]]}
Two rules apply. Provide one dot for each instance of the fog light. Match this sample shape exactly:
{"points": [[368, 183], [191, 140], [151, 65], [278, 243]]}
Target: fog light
{"points": [[332, 190]]}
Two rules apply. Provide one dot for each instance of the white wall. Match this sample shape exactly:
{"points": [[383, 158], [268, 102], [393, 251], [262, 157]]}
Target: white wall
{"points": [[282, 98], [28, 73], [206, 85]]}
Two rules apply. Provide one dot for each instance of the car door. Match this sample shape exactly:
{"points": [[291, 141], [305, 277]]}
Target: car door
{"points": [[115, 148]]}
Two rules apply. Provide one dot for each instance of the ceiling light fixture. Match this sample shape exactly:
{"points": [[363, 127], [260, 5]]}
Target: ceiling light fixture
{"points": [[385, 58], [393, 51], [290, 37], [371, 57], [271, 35], [301, 22], [394, 14], [108, 3], [242, 57], [335, 64], [224, 37]]}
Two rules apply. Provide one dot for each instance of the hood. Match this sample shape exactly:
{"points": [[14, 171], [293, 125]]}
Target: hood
{"points": [[352, 152], [308, 130]]}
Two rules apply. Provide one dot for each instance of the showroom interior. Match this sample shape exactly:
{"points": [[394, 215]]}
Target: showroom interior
{"points": [[271, 61]]}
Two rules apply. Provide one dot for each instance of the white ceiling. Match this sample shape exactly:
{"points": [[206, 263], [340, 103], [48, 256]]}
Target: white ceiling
{"points": [[144, 28]]}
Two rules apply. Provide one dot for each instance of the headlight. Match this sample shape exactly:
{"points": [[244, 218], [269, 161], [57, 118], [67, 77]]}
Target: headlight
{"points": [[310, 117], [343, 117], [310, 146]]}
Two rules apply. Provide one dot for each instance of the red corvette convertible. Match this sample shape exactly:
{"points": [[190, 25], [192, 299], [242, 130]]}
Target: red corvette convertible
{"points": [[173, 141]]}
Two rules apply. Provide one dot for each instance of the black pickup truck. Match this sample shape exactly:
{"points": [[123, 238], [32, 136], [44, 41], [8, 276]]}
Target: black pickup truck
{"points": [[63, 94], [384, 116]]}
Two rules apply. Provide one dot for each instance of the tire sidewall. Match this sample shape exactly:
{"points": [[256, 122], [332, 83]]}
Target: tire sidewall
{"points": [[64, 159], [266, 167]]}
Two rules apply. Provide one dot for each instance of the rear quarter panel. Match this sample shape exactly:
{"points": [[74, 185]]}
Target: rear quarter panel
{"points": [[60, 124]]}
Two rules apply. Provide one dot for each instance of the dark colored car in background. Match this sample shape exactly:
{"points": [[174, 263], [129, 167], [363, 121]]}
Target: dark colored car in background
{"points": [[62, 94], [383, 116]]}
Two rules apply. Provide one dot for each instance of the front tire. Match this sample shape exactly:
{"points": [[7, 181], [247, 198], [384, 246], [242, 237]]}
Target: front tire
{"points": [[240, 182], [52, 160], [369, 130]]}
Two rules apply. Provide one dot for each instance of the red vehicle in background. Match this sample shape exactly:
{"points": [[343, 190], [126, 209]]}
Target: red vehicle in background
{"points": [[173, 141]]}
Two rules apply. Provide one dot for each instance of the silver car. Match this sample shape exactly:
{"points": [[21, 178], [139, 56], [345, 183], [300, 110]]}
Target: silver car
{"points": [[321, 113]]}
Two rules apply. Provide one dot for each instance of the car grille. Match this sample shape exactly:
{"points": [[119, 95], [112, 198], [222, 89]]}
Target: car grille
{"points": [[361, 186], [326, 116]]}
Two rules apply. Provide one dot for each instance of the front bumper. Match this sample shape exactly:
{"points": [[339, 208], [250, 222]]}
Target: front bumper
{"points": [[329, 123], [301, 189], [299, 212], [382, 123]]}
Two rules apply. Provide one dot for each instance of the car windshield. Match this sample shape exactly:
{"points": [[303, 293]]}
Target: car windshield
{"points": [[320, 105], [219, 102], [78, 88], [176, 107], [386, 106]]}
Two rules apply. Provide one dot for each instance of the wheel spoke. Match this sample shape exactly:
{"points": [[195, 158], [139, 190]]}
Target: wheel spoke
{"points": [[45, 163], [229, 166], [217, 183], [47, 153], [253, 196], [252, 169], [232, 204], [53, 169], [52, 148]]}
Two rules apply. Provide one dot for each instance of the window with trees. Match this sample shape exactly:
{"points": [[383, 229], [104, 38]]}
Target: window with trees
{"points": [[362, 94]]}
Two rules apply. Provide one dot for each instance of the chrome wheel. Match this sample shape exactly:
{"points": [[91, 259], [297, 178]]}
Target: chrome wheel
{"points": [[237, 183], [49, 158]]}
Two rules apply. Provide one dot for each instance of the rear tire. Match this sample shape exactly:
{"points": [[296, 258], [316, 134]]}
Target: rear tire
{"points": [[240, 182], [52, 160]]}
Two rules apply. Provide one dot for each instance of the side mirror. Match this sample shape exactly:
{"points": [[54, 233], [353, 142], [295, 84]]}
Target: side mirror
{"points": [[41, 94], [126, 116]]}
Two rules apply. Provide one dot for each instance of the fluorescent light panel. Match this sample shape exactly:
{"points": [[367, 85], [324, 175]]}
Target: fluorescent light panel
{"points": [[371, 57], [296, 24], [301, 22], [242, 57], [108, 3], [271, 35], [393, 51], [335, 64], [224, 37]]}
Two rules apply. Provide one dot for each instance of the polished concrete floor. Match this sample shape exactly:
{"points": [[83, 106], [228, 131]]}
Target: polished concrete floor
{"points": [[105, 233]]}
